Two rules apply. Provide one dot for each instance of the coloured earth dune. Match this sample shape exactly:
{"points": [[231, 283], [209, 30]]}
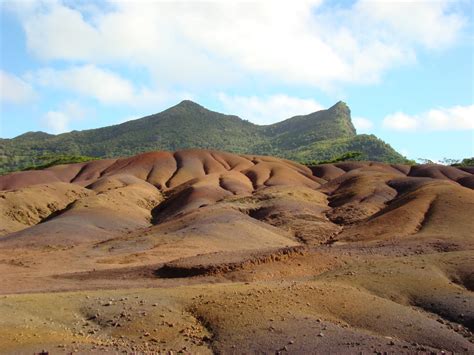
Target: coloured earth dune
{"points": [[201, 252]]}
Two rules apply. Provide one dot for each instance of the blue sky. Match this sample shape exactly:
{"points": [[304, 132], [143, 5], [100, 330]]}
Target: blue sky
{"points": [[406, 68]]}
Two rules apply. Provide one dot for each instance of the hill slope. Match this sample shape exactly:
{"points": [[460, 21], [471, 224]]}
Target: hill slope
{"points": [[319, 135]]}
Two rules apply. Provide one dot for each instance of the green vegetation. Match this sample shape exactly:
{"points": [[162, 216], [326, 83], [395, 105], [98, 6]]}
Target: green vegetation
{"points": [[465, 162], [458, 162], [449, 161], [370, 147], [354, 156], [322, 135], [49, 161]]}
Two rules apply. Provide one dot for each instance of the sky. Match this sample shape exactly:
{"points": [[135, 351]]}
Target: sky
{"points": [[405, 68]]}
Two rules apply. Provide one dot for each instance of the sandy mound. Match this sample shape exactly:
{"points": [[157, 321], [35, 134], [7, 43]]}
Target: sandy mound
{"points": [[31, 205]]}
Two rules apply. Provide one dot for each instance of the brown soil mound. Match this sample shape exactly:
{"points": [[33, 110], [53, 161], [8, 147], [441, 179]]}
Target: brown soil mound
{"points": [[210, 252]]}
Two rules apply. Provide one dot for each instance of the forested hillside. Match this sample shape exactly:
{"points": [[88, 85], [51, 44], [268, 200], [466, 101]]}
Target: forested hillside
{"points": [[320, 135]]}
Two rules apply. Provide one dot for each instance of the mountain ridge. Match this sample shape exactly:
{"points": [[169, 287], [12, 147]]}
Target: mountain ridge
{"points": [[189, 125], [183, 103]]}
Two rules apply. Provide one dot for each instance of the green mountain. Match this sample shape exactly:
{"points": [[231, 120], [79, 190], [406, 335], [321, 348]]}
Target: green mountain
{"points": [[320, 135]]}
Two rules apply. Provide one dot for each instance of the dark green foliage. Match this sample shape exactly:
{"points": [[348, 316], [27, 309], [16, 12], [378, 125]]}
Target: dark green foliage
{"points": [[344, 157], [322, 135], [48, 161], [300, 131], [466, 162], [369, 146], [449, 161], [462, 163]]}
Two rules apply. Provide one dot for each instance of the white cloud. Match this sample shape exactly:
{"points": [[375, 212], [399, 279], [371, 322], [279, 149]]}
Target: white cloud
{"points": [[440, 119], [362, 124], [415, 21], [104, 85], [56, 122], [68, 36], [59, 121], [456, 118], [88, 80], [15, 90], [297, 42], [400, 122], [269, 109]]}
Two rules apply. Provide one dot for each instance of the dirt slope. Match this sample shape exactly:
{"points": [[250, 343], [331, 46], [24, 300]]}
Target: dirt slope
{"points": [[210, 252]]}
